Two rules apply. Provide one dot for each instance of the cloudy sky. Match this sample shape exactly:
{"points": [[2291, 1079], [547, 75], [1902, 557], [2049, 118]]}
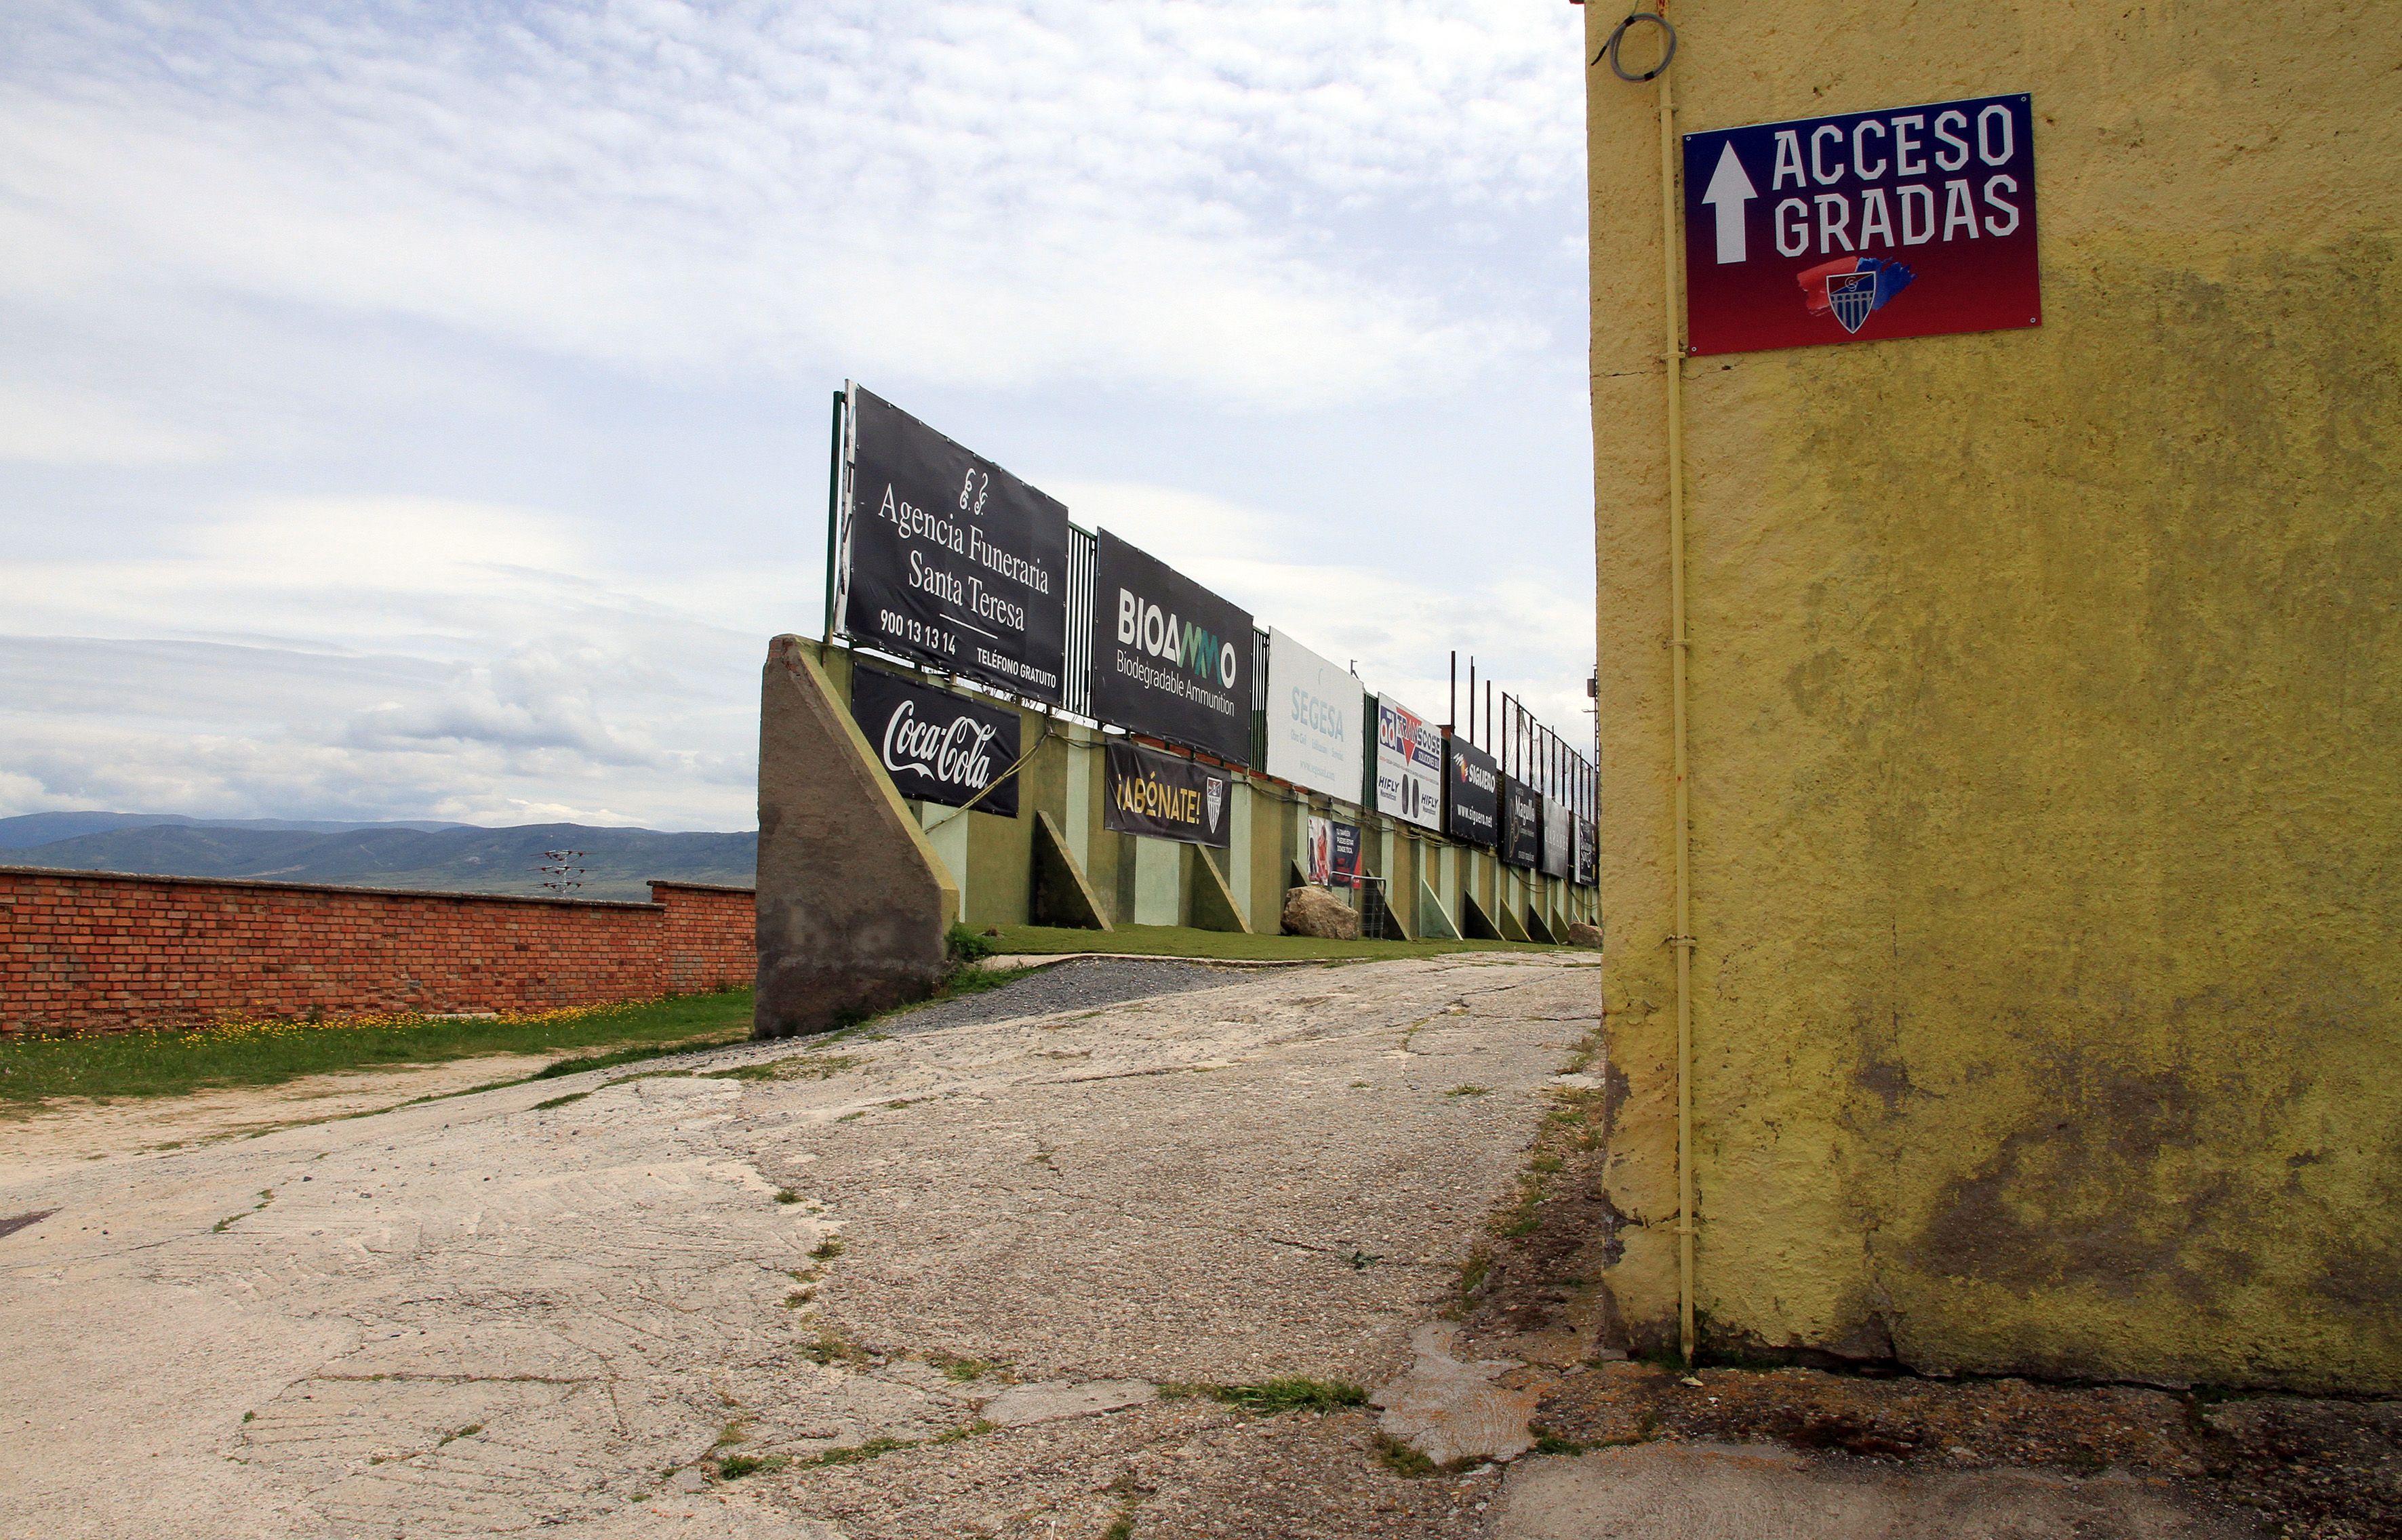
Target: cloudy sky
{"points": [[419, 409]]}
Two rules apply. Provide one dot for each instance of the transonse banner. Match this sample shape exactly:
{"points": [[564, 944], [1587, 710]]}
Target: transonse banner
{"points": [[937, 747], [1170, 659], [1409, 764], [950, 559], [1559, 839], [1521, 823], [1167, 797], [1472, 793]]}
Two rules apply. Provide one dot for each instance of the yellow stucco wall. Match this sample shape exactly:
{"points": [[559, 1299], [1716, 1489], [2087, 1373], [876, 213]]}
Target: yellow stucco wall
{"points": [[2047, 722]]}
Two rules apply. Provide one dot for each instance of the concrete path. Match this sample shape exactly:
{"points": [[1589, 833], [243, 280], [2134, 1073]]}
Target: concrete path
{"points": [[952, 1283]]}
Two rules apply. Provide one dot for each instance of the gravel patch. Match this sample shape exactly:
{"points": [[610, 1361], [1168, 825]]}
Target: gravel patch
{"points": [[1082, 985]]}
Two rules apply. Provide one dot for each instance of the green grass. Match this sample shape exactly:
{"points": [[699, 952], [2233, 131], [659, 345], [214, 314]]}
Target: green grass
{"points": [[1270, 1397], [269, 1052], [1174, 941]]}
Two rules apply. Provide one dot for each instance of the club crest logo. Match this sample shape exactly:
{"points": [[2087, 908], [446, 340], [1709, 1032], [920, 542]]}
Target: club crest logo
{"points": [[1217, 795], [1852, 288]]}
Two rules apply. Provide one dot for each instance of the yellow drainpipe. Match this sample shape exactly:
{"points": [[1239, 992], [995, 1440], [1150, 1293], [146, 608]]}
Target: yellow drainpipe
{"points": [[1680, 644]]}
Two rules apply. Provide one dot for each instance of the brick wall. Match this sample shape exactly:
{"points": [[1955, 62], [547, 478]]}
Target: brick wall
{"points": [[98, 951]]}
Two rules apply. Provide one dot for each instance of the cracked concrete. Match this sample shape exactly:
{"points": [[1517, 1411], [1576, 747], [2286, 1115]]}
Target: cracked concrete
{"points": [[479, 1316]]}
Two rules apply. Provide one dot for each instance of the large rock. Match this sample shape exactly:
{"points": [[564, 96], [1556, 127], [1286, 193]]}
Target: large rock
{"points": [[1313, 911], [1582, 934]]}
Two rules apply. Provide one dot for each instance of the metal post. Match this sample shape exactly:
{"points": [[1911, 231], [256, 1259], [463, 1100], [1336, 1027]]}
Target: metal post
{"points": [[834, 510]]}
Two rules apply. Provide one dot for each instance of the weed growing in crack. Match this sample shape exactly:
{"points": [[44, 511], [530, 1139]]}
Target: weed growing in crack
{"points": [[266, 1196], [560, 1101], [786, 1195], [1400, 1459], [736, 1467], [964, 1371], [801, 1067], [833, 1348], [1460, 1090], [1272, 1397], [468, 1432], [799, 1297], [827, 1249]]}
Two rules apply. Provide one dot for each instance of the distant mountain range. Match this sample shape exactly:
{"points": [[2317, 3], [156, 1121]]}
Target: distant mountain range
{"points": [[453, 858]]}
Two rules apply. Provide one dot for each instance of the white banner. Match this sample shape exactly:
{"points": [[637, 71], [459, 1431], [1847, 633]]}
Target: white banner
{"points": [[1409, 764], [1317, 726]]}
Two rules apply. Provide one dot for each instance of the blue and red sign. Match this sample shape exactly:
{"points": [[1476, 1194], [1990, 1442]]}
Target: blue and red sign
{"points": [[1907, 222]]}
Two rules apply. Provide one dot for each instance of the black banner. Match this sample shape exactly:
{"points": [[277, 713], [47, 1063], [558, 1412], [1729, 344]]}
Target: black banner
{"points": [[937, 747], [1471, 786], [1521, 823], [950, 559], [1588, 854], [1170, 659], [1168, 797]]}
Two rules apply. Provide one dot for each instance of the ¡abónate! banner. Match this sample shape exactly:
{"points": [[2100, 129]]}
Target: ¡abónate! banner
{"points": [[1170, 659], [1409, 766], [1313, 721], [949, 558], [1521, 823], [1167, 797], [1472, 787], [936, 746]]}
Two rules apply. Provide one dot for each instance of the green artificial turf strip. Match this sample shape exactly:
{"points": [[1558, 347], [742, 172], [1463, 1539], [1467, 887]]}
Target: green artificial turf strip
{"points": [[174, 1063], [1172, 940]]}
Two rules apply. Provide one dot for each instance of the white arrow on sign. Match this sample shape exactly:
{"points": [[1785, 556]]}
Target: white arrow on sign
{"points": [[1729, 190]]}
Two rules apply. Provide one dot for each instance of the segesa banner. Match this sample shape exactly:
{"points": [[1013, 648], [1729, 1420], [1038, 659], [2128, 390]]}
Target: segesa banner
{"points": [[937, 747], [1313, 721], [1472, 793], [947, 558], [1409, 766], [1170, 659], [1903, 222], [1521, 823], [1559, 839], [1166, 796]]}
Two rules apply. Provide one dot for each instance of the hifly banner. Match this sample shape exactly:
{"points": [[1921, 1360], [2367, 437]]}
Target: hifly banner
{"points": [[1559, 839], [1901, 222], [1409, 766], [1170, 659], [1472, 793], [947, 558], [1315, 736], [1521, 823], [1588, 854], [1333, 852], [1168, 797], [937, 747]]}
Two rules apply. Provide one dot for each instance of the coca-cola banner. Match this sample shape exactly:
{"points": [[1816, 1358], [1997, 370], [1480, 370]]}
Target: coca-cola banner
{"points": [[937, 747], [1169, 797]]}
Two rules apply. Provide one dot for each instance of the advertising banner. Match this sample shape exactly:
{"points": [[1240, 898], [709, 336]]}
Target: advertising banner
{"points": [[1333, 852], [1472, 787], [947, 558], [1559, 839], [1521, 823], [1588, 854], [1409, 766], [1168, 797], [1170, 659], [1902, 222], [1314, 720], [937, 747]]}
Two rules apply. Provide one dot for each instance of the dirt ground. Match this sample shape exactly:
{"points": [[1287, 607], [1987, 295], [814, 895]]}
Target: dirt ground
{"points": [[994, 1279]]}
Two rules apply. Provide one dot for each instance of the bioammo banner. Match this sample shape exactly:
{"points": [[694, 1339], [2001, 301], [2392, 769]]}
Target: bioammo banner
{"points": [[1472, 787], [1559, 839], [1166, 796], [937, 747], [1314, 721], [1409, 766], [949, 558], [1521, 823], [1902, 222], [1333, 852], [1588, 854], [1170, 659]]}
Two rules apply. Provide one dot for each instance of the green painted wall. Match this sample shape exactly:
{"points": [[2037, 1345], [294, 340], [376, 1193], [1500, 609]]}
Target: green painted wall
{"points": [[2046, 717]]}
